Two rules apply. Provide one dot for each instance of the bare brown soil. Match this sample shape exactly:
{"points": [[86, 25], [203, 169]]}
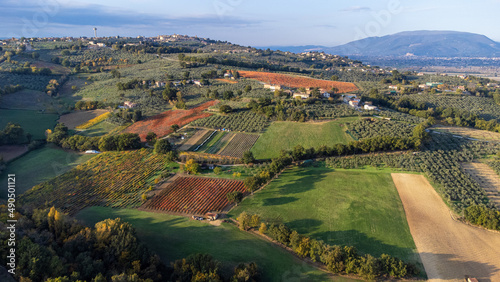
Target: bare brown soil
{"points": [[487, 178], [9, 152], [193, 140], [74, 119], [449, 249]]}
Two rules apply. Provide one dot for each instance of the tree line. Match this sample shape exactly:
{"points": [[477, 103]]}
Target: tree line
{"points": [[337, 259], [126, 141], [54, 247]]}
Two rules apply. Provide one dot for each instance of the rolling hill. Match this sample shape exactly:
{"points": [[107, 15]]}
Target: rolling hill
{"points": [[419, 43]]}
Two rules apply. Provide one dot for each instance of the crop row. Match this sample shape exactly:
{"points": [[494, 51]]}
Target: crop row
{"points": [[298, 81], [239, 145], [371, 127], [195, 195], [116, 179], [440, 160], [482, 106], [242, 121]]}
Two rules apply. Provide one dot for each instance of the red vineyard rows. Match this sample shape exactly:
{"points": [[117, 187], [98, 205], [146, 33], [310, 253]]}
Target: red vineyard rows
{"points": [[195, 195]]}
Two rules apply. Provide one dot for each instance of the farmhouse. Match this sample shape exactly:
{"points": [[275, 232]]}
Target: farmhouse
{"points": [[212, 216], [370, 107], [129, 105], [160, 84], [197, 82], [301, 95], [393, 87], [354, 102], [272, 87], [326, 95]]}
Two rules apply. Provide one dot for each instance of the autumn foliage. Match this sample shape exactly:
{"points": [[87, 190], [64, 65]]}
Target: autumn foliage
{"points": [[161, 124], [298, 81]]}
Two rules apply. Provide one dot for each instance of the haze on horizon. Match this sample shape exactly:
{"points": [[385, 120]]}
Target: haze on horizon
{"points": [[256, 23]]}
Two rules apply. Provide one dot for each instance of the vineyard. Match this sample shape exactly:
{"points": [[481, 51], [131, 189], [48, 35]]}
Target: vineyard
{"points": [[161, 123], [369, 127], [114, 179], [195, 195], [239, 144], [440, 161], [298, 81], [223, 143], [484, 107], [241, 121]]}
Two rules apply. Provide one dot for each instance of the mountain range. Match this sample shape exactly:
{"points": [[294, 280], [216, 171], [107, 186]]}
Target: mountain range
{"points": [[412, 43]]}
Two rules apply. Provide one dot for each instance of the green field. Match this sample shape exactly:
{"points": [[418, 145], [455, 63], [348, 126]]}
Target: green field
{"points": [[342, 207], [33, 122], [175, 237], [41, 165], [284, 135], [102, 128]]}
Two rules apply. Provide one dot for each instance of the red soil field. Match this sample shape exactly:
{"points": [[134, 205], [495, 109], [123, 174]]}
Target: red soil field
{"points": [[195, 195], [298, 81], [160, 124]]}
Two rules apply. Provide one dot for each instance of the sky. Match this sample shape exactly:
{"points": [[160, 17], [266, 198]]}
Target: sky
{"points": [[245, 22]]}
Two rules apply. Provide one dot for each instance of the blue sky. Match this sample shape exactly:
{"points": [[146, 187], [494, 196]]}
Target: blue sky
{"points": [[245, 22]]}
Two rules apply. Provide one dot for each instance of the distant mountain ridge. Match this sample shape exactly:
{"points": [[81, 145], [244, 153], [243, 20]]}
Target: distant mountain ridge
{"points": [[419, 43]]}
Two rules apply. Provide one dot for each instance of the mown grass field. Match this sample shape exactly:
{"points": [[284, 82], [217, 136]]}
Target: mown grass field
{"points": [[101, 129], [342, 207], [284, 135], [33, 122], [175, 237], [40, 165]]}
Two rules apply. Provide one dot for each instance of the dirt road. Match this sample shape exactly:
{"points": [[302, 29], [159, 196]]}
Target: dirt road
{"points": [[449, 249]]}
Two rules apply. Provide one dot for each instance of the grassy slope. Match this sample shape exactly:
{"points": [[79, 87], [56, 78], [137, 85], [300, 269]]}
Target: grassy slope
{"points": [[39, 166], [355, 208], [31, 121], [285, 135], [175, 237], [102, 128]]}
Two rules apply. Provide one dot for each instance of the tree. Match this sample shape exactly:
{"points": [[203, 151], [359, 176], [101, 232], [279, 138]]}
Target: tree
{"points": [[251, 183], [162, 146], [115, 74], [298, 152], [192, 167], [234, 197], [151, 138], [225, 109], [108, 143], [255, 220], [262, 228], [217, 170], [246, 273], [128, 141], [227, 95], [248, 157], [244, 221], [175, 127], [248, 88]]}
